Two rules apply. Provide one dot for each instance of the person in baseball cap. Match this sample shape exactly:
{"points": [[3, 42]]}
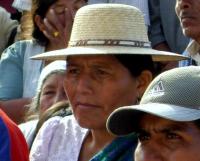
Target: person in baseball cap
{"points": [[167, 120]]}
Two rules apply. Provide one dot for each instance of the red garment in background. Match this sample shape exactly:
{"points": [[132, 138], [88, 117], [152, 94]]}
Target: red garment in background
{"points": [[13, 146], [7, 4]]}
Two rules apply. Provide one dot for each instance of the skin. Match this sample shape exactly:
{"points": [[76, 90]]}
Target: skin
{"points": [[95, 86], [59, 18], [165, 140], [189, 16], [15, 108], [52, 92]]}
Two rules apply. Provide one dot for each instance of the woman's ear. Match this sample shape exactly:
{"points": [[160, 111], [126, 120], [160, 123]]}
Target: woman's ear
{"points": [[39, 22], [143, 81]]}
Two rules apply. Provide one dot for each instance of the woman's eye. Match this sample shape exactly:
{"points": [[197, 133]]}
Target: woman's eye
{"points": [[73, 71], [172, 136], [142, 136], [48, 92], [59, 10], [101, 72]]}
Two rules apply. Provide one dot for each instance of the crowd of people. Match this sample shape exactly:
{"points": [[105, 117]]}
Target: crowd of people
{"points": [[100, 80]]}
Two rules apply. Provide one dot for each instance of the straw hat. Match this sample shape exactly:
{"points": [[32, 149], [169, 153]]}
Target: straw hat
{"points": [[109, 29], [172, 95]]}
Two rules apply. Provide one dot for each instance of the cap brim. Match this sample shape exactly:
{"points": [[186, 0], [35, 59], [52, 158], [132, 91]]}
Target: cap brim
{"points": [[124, 120], [100, 50]]}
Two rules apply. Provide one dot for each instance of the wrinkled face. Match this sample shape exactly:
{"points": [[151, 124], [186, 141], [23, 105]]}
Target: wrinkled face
{"points": [[188, 12], [52, 91], [60, 6], [96, 85], [165, 140]]}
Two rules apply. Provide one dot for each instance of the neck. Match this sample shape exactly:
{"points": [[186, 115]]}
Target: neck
{"points": [[95, 141], [100, 138]]}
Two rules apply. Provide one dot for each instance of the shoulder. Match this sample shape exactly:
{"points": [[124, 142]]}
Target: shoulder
{"points": [[64, 124], [28, 128], [18, 49], [55, 137]]}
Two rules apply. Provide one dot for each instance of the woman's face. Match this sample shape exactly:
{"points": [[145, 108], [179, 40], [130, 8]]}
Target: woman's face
{"points": [[52, 91], [60, 6], [96, 85]]}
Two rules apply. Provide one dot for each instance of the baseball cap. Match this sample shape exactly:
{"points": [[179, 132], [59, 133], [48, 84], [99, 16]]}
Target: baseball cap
{"points": [[173, 95]]}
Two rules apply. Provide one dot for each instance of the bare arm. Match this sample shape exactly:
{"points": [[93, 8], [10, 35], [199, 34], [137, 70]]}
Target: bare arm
{"points": [[16, 108]]}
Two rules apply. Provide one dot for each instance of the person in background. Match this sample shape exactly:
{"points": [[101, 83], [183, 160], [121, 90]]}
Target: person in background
{"points": [[24, 31], [141, 4], [167, 120], [52, 23], [165, 32], [109, 64], [7, 27], [188, 14], [49, 91], [13, 145]]}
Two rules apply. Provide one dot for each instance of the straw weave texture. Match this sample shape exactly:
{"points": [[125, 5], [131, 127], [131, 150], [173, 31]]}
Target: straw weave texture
{"points": [[121, 23]]}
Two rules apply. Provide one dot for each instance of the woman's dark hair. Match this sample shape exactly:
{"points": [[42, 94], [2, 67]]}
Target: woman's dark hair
{"points": [[197, 123], [136, 63], [40, 7]]}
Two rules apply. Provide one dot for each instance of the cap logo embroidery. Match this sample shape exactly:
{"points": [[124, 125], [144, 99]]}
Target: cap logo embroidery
{"points": [[157, 89]]}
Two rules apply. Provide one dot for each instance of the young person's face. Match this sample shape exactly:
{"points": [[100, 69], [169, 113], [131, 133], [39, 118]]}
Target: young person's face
{"points": [[165, 140], [96, 85], [52, 91], [188, 12], [61, 5]]}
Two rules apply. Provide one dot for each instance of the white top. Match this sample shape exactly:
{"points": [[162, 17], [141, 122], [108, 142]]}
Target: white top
{"points": [[59, 139], [22, 5], [30, 76], [141, 4], [28, 129], [193, 49]]}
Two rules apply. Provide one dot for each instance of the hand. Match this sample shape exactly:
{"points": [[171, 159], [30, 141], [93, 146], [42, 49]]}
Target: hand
{"points": [[56, 31]]}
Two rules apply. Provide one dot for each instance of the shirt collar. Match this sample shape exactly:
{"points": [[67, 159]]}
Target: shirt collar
{"points": [[193, 48]]}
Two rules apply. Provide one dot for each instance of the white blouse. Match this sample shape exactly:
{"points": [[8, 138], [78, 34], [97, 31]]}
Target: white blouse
{"points": [[59, 139]]}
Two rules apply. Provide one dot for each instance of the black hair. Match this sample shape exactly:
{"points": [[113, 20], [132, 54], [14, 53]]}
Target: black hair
{"points": [[136, 63], [197, 123], [40, 7]]}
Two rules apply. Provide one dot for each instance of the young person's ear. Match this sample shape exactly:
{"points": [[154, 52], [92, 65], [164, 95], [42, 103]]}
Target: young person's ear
{"points": [[39, 22]]}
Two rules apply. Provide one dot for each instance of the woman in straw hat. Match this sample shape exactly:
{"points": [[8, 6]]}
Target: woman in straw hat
{"points": [[109, 64]]}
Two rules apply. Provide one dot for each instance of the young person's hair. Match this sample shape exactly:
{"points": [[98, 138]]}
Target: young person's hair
{"points": [[40, 7]]}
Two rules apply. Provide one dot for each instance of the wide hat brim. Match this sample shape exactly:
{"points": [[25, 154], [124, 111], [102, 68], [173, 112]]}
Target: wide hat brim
{"points": [[110, 50], [125, 120]]}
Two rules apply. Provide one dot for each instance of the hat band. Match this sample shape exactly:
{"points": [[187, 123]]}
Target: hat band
{"points": [[110, 42]]}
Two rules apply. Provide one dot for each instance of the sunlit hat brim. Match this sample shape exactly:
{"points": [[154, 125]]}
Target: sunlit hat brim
{"points": [[110, 50]]}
